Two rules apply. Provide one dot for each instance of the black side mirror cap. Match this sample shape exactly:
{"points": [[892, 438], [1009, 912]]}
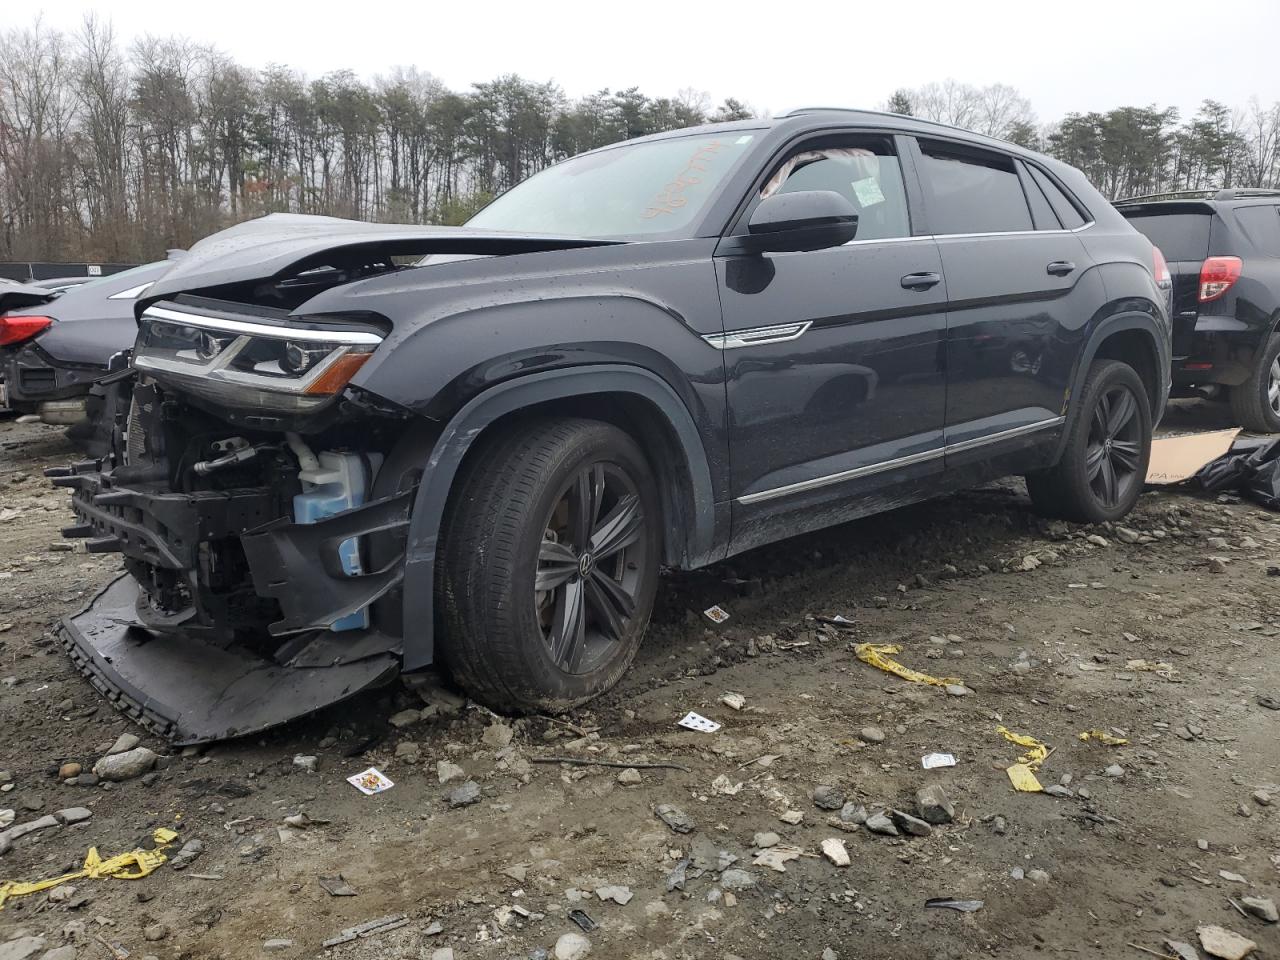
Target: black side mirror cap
{"points": [[804, 220]]}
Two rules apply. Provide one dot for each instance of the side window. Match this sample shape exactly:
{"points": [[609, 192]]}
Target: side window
{"points": [[1065, 209], [1041, 209], [865, 171], [1262, 225], [973, 191]]}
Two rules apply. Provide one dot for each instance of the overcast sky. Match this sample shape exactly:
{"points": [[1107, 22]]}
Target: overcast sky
{"points": [[1066, 56]]}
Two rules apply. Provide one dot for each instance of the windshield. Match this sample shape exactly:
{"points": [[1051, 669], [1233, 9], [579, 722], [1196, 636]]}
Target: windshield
{"points": [[638, 190]]}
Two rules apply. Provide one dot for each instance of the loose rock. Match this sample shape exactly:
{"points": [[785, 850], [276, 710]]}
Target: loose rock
{"points": [[124, 743], [880, 823], [629, 777], [1226, 944], [446, 771], [908, 824], [833, 849], [871, 735], [933, 805], [572, 946], [1264, 908], [675, 818], [464, 795], [125, 766], [827, 797]]}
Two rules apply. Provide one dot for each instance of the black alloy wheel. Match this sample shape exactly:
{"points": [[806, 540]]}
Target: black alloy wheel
{"points": [[1114, 453], [589, 567]]}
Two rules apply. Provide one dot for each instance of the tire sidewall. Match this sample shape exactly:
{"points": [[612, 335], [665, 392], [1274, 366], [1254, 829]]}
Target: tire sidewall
{"points": [[545, 680], [1260, 381]]}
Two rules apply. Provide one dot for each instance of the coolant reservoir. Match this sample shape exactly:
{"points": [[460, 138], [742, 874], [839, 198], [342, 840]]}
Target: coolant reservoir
{"points": [[340, 483]]}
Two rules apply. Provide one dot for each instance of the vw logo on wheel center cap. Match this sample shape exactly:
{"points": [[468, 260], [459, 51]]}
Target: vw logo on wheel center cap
{"points": [[584, 564]]}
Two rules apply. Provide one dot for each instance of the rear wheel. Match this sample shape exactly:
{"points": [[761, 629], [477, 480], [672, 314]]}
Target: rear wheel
{"points": [[1255, 404], [1104, 465], [549, 564]]}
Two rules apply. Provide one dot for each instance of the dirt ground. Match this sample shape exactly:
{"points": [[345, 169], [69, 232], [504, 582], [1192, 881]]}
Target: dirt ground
{"points": [[1041, 624]]}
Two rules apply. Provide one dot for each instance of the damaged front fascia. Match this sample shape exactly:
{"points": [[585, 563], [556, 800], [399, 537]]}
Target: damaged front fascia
{"points": [[298, 564]]}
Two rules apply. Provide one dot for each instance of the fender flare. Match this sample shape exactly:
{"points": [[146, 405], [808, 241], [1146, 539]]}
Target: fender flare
{"points": [[1118, 323], [467, 424]]}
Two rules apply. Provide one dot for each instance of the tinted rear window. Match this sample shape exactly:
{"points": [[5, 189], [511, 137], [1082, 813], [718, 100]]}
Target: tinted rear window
{"points": [[1065, 209], [1262, 226], [1180, 236]]}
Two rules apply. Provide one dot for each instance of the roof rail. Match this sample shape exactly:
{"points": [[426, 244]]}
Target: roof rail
{"points": [[800, 111], [1238, 193], [1230, 193]]}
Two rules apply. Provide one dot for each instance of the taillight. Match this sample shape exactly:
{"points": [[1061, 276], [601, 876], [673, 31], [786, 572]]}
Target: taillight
{"points": [[1217, 274], [16, 329], [1160, 268]]}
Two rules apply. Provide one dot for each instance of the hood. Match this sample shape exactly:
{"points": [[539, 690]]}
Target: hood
{"points": [[281, 243], [15, 296]]}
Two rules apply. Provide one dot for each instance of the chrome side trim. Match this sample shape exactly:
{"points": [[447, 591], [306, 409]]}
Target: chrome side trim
{"points": [[246, 327], [866, 471], [898, 462], [756, 336], [1004, 435]]}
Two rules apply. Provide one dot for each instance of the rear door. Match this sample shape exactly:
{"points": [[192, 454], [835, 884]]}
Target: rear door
{"points": [[1019, 293], [1181, 231]]}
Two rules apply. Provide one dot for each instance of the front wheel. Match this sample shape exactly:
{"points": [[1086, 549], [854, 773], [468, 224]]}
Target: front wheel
{"points": [[549, 564], [1104, 464], [1255, 404]]}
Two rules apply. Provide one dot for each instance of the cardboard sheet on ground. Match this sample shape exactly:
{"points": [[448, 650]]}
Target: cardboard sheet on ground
{"points": [[1174, 459]]}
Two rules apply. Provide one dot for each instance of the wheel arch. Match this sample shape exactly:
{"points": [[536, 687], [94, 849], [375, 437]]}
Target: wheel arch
{"points": [[635, 399], [1133, 337]]}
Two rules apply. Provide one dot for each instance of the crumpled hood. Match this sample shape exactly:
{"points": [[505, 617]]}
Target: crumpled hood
{"points": [[269, 246], [15, 296]]}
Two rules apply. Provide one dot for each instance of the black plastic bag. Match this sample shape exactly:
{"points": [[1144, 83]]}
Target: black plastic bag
{"points": [[1251, 466]]}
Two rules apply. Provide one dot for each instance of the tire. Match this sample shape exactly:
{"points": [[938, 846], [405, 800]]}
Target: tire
{"points": [[513, 524], [1255, 404], [1104, 465]]}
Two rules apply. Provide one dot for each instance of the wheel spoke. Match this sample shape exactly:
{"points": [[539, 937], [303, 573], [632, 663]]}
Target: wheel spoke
{"points": [[1093, 457], [1275, 370], [556, 564], [619, 529], [568, 627], [1125, 453], [1110, 493], [610, 602], [1121, 413], [1101, 415], [584, 504]]}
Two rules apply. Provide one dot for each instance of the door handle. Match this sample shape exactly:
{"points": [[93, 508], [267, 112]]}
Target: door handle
{"points": [[921, 281], [1060, 268]]}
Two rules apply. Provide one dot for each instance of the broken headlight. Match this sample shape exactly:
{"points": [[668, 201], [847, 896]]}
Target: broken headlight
{"points": [[291, 366]]}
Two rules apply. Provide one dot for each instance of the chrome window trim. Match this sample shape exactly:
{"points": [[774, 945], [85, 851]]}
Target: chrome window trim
{"points": [[249, 328], [758, 336], [898, 462]]}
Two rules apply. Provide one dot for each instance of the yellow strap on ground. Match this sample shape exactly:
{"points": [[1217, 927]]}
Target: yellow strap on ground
{"points": [[1023, 773], [877, 654], [133, 865], [1103, 737]]}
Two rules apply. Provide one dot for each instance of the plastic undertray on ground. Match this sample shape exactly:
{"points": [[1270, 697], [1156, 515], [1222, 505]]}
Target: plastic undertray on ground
{"points": [[189, 691]]}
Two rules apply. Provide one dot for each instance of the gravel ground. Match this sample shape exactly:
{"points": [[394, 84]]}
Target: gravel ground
{"points": [[1162, 633]]}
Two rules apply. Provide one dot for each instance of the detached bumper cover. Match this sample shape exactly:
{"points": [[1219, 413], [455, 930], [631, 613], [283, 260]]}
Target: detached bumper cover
{"points": [[189, 691]]}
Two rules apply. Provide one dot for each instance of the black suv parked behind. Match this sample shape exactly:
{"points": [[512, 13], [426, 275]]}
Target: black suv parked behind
{"points": [[663, 352], [1223, 249]]}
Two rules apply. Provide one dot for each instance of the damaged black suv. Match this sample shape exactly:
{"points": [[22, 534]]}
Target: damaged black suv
{"points": [[360, 448]]}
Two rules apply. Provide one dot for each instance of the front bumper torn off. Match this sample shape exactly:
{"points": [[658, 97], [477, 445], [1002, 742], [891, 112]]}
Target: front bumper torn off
{"points": [[175, 674]]}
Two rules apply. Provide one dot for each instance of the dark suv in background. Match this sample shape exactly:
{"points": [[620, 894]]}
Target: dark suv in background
{"points": [[1223, 250], [660, 353]]}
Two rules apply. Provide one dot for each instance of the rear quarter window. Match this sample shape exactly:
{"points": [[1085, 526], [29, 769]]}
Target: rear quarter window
{"points": [[1180, 236], [1261, 224]]}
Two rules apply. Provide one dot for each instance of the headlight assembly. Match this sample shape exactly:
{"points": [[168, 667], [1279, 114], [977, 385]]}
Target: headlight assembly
{"points": [[293, 366]]}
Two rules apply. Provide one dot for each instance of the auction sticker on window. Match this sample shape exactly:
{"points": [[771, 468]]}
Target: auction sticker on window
{"points": [[370, 781], [868, 192]]}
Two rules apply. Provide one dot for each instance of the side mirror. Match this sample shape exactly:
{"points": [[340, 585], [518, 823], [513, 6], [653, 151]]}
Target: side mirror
{"points": [[804, 220]]}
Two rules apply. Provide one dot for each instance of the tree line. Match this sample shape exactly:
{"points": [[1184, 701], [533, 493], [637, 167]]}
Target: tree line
{"points": [[112, 151]]}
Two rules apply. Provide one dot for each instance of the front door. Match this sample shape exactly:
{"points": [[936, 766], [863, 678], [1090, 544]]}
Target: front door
{"points": [[834, 358]]}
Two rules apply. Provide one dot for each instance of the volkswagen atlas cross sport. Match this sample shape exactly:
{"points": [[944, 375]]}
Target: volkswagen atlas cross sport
{"points": [[360, 448]]}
